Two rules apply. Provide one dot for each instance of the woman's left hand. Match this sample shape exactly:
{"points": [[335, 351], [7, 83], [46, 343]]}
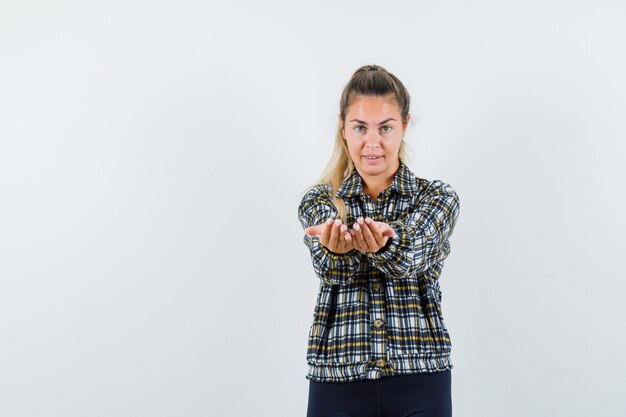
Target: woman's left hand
{"points": [[370, 236]]}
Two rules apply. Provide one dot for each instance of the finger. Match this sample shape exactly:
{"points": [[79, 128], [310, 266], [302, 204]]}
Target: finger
{"points": [[343, 244], [371, 243], [358, 226], [385, 229], [375, 229], [341, 230], [348, 235], [355, 243], [388, 230], [334, 234], [349, 241], [338, 239], [326, 229]]}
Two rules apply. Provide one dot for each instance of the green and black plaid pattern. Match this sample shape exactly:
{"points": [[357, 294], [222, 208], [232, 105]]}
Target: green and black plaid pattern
{"points": [[379, 314]]}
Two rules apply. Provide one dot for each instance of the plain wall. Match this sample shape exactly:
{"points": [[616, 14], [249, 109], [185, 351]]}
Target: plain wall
{"points": [[153, 154]]}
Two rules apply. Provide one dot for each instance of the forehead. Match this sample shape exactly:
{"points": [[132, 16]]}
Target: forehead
{"points": [[373, 107]]}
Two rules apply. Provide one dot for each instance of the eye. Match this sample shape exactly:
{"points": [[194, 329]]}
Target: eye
{"points": [[387, 131], [356, 127]]}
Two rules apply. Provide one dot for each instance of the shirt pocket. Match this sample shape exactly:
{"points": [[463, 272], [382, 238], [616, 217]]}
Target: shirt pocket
{"points": [[434, 315], [434, 294], [317, 330], [405, 321], [341, 330], [415, 324], [318, 335]]}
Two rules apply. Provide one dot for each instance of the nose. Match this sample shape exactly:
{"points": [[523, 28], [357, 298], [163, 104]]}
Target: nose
{"points": [[372, 140]]}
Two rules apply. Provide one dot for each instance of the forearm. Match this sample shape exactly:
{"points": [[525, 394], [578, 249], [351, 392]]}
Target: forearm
{"points": [[421, 237], [330, 267]]}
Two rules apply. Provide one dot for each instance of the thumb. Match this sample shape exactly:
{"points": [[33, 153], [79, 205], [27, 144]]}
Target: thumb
{"points": [[313, 230], [388, 231]]}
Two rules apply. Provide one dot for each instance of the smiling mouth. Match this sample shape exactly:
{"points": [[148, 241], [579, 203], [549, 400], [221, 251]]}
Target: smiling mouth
{"points": [[372, 157]]}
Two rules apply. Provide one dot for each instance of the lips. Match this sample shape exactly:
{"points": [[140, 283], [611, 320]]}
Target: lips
{"points": [[375, 160]]}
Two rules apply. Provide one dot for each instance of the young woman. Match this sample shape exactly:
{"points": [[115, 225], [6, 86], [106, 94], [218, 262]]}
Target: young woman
{"points": [[378, 236]]}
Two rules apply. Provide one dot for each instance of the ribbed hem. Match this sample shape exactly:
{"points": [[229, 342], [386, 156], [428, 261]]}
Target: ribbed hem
{"points": [[342, 372]]}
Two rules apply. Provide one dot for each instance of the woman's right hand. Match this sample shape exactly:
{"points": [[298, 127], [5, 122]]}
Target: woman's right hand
{"points": [[333, 235]]}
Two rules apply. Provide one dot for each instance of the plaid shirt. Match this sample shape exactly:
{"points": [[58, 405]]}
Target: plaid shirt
{"points": [[379, 314]]}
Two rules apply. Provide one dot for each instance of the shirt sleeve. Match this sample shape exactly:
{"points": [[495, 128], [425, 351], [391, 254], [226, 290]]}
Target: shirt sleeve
{"points": [[421, 236], [332, 268]]}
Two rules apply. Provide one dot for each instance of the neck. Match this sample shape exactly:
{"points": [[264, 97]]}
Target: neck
{"points": [[374, 185]]}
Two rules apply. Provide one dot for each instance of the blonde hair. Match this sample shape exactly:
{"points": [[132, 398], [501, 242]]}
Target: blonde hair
{"points": [[368, 80]]}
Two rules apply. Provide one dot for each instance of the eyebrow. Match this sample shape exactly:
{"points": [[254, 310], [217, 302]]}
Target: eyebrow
{"points": [[383, 122]]}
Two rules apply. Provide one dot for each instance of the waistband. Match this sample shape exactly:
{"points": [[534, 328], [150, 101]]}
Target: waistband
{"points": [[346, 372]]}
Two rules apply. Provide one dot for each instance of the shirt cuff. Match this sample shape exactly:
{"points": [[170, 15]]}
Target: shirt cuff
{"points": [[351, 254]]}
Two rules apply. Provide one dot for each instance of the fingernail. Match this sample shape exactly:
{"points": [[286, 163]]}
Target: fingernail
{"points": [[368, 220], [357, 227], [329, 221], [360, 220], [337, 222]]}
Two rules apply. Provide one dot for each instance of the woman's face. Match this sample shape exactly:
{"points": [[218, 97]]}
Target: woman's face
{"points": [[374, 128]]}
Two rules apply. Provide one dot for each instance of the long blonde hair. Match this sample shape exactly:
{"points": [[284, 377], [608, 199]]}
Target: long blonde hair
{"points": [[368, 80]]}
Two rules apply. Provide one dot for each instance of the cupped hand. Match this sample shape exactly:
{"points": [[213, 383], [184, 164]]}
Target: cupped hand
{"points": [[369, 235], [333, 235]]}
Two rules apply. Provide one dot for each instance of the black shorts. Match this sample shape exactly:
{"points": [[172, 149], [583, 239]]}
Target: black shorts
{"points": [[426, 394]]}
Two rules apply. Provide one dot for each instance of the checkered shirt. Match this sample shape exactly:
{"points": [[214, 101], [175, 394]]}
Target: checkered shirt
{"points": [[379, 314]]}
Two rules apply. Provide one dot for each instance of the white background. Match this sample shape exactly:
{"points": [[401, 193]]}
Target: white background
{"points": [[153, 154]]}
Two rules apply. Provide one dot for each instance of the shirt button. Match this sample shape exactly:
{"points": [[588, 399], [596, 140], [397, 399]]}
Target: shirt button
{"points": [[378, 323], [381, 363], [376, 286]]}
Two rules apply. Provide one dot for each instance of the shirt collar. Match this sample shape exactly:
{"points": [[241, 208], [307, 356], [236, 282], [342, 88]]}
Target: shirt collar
{"points": [[404, 182]]}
